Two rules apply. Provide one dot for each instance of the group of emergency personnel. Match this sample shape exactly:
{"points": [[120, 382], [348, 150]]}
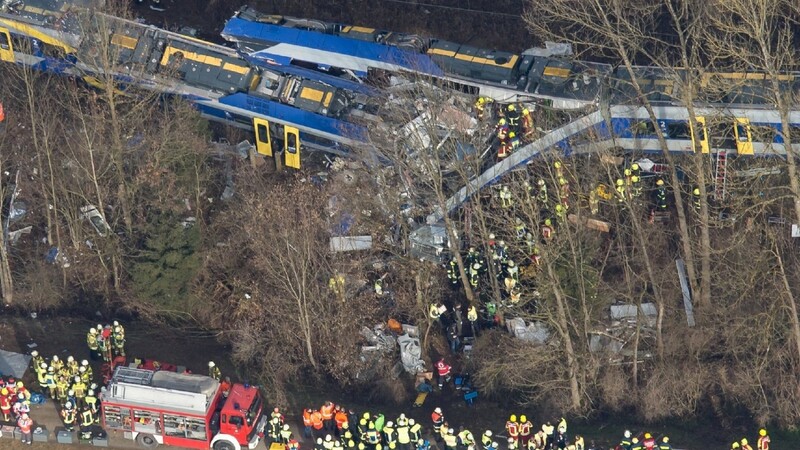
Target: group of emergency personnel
{"points": [[514, 126], [106, 342], [332, 427], [761, 444], [15, 401]]}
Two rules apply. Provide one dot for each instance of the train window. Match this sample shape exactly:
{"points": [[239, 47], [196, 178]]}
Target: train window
{"points": [[679, 130], [4, 42], [643, 128], [763, 133], [741, 131]]}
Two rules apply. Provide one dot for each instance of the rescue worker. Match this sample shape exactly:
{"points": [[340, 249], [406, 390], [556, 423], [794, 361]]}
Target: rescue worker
{"points": [[337, 445], [22, 391], [50, 380], [443, 370], [514, 142], [559, 168], [549, 431], [763, 440], [547, 228], [89, 371], [519, 229], [285, 434], [594, 202], [319, 445], [513, 444], [5, 404], [486, 440], [505, 147], [513, 117], [696, 199], [562, 426], [636, 186], [87, 417], [373, 437], [620, 190], [635, 170], [389, 435], [474, 275], [473, 256], [36, 362], [525, 429], [317, 423], [79, 388], [561, 213], [506, 201], [328, 442], [480, 106], [403, 433], [20, 407], [274, 430], [41, 376], [649, 442], [423, 444], [661, 196], [415, 431], [579, 444], [472, 317], [62, 387], [438, 419], [465, 439], [735, 446], [340, 420], [501, 129], [542, 196], [450, 441], [625, 443], [68, 416], [91, 342], [83, 375], [512, 271], [307, 422], [512, 427], [563, 191], [635, 444], [527, 124], [25, 423], [347, 440], [327, 416], [745, 444], [103, 344], [664, 445], [56, 363], [118, 340], [213, 371], [452, 272], [73, 366], [91, 401]]}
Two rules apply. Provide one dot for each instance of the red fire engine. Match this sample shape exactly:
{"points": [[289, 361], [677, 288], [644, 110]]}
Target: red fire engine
{"points": [[186, 410]]}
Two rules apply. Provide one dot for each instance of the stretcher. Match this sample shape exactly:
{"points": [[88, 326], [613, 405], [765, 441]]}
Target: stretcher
{"points": [[420, 399]]}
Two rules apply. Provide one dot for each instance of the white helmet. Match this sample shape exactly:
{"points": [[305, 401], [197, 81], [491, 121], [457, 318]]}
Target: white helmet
{"points": [[81, 369], [43, 365], [24, 415], [488, 433], [34, 353], [117, 329], [450, 431], [77, 379], [55, 357], [70, 359], [116, 324], [68, 405], [438, 410], [84, 363], [627, 434], [411, 421], [99, 327], [389, 424], [211, 364], [402, 415], [91, 392], [286, 426], [92, 330], [328, 437]]}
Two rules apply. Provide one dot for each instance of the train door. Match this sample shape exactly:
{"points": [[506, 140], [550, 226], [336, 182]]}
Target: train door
{"points": [[6, 52], [291, 146], [263, 141], [700, 128], [744, 137], [722, 136]]}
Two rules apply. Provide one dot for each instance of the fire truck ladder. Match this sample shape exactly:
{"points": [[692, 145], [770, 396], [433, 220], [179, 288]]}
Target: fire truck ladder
{"points": [[721, 176], [133, 376]]}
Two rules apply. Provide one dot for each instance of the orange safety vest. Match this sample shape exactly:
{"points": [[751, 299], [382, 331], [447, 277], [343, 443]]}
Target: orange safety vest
{"points": [[327, 412], [316, 420], [307, 418], [341, 419]]}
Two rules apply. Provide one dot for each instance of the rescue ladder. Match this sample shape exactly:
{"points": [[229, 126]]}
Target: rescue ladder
{"points": [[721, 176]]}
